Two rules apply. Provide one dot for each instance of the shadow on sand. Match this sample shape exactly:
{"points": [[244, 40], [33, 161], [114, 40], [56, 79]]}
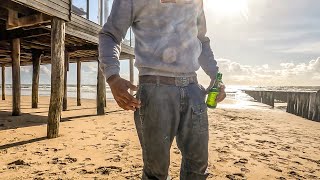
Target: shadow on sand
{"points": [[7, 122]]}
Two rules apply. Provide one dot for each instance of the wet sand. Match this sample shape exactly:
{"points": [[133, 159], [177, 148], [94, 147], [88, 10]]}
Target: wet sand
{"points": [[247, 141]]}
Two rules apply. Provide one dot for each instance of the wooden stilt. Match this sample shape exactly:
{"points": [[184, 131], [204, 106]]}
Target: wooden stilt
{"points": [[36, 61], [65, 85], [316, 115], [78, 83], [16, 86], [131, 73], [101, 92], [57, 77], [3, 83]]}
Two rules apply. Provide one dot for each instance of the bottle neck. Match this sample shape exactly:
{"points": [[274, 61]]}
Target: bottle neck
{"points": [[217, 83]]}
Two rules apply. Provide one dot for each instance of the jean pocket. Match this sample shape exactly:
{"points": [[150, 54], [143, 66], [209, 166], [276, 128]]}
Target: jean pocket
{"points": [[202, 89], [200, 118]]}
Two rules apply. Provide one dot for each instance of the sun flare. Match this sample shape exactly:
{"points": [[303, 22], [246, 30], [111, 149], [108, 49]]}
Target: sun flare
{"points": [[228, 8]]}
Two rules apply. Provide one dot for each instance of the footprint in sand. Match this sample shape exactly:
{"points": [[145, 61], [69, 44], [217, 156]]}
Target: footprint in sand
{"points": [[39, 178], [241, 162], [310, 176], [66, 160], [295, 175], [245, 170], [71, 160], [224, 150], [116, 158], [38, 153], [285, 148], [236, 176], [275, 167], [108, 169], [18, 163], [84, 171]]}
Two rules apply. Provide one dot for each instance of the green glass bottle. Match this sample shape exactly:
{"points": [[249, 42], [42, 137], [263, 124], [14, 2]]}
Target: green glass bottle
{"points": [[214, 91]]}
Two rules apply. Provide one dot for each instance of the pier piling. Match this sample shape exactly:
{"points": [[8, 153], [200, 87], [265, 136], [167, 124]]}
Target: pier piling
{"points": [[65, 83], [101, 91], [3, 82], [36, 61], [131, 73], [78, 83], [16, 83], [57, 77]]}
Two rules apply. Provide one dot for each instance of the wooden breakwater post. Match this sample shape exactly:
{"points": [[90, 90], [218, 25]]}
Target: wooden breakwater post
{"points": [[280, 96], [303, 104], [268, 98], [265, 97], [255, 95]]}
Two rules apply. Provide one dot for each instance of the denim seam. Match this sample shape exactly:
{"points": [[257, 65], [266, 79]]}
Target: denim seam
{"points": [[141, 116]]}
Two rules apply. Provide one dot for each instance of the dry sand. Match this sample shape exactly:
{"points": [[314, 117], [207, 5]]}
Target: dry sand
{"points": [[247, 141]]}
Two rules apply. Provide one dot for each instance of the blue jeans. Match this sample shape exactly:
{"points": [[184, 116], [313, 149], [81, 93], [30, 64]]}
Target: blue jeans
{"points": [[170, 111]]}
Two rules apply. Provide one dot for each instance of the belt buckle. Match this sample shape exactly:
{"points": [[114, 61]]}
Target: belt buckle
{"points": [[182, 81]]}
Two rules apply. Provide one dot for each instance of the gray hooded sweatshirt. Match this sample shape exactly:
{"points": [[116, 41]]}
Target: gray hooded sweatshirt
{"points": [[170, 38]]}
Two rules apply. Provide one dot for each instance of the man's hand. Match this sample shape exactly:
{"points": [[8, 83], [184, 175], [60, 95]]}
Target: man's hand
{"points": [[119, 88], [222, 94]]}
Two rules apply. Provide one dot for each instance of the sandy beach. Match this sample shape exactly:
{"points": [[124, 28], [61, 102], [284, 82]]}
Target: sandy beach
{"points": [[247, 141]]}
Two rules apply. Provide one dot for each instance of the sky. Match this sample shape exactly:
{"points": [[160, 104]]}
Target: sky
{"points": [[255, 42]]}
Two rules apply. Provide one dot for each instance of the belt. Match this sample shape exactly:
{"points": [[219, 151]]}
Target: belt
{"points": [[177, 81]]}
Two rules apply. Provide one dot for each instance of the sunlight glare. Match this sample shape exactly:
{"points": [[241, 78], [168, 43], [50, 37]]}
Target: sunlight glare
{"points": [[228, 8]]}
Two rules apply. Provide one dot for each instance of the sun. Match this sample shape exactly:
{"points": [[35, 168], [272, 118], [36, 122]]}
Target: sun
{"points": [[228, 8]]}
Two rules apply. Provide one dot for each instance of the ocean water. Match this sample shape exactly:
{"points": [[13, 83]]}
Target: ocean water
{"points": [[89, 91]]}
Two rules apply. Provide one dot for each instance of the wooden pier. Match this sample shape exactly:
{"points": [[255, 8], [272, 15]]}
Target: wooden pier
{"points": [[37, 32], [303, 104]]}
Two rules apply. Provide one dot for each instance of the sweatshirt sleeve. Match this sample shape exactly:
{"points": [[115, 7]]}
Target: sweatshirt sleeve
{"points": [[206, 59], [112, 34]]}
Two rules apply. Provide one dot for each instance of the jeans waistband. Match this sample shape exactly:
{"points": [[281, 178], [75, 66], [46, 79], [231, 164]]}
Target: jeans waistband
{"points": [[177, 81]]}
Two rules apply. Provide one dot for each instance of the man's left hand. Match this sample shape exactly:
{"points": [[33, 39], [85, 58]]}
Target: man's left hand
{"points": [[222, 94]]}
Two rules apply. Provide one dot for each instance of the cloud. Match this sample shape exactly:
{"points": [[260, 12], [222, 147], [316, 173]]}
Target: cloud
{"points": [[45, 70], [286, 74], [305, 47], [26, 69], [90, 67]]}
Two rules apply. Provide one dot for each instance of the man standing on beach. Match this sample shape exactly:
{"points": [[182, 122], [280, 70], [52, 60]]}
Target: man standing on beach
{"points": [[170, 46]]}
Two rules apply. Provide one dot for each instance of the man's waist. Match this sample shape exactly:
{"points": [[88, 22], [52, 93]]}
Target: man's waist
{"points": [[165, 80]]}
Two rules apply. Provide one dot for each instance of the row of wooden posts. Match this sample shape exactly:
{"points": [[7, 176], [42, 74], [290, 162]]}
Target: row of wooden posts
{"points": [[303, 104], [59, 69], [36, 62]]}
